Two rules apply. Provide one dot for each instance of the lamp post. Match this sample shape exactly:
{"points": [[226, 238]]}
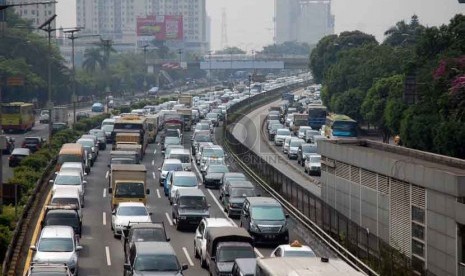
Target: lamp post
{"points": [[250, 86], [210, 70], [73, 97], [180, 67]]}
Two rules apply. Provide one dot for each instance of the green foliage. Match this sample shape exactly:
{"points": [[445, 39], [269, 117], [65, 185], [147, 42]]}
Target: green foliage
{"points": [[348, 103], [449, 137], [288, 48], [230, 50], [404, 34]]}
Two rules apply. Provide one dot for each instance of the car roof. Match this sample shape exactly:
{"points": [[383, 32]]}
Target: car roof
{"points": [[241, 184], [233, 174], [171, 161], [179, 150], [73, 173], [262, 201], [70, 191], [184, 173], [129, 204], [57, 231], [21, 151], [72, 165], [217, 222], [150, 247], [288, 247], [145, 225], [190, 192]]}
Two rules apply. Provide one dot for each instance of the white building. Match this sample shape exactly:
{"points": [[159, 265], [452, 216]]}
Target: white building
{"points": [[37, 14]]}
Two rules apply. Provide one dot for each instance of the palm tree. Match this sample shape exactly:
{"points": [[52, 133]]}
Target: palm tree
{"points": [[92, 58], [404, 33]]}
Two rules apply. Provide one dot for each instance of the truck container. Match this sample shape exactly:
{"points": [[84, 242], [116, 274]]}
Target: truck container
{"points": [[60, 114], [186, 115], [186, 100], [127, 183], [298, 121]]}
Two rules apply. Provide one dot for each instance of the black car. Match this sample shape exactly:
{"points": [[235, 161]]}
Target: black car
{"points": [[143, 231], [17, 155], [10, 145], [33, 143], [234, 195], [101, 138], [189, 207], [66, 215], [213, 175]]}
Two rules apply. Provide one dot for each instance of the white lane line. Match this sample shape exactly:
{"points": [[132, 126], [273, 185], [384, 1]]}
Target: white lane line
{"points": [[153, 175], [258, 252], [106, 175], [154, 151], [104, 218], [104, 192], [191, 263], [169, 219], [158, 193], [107, 253], [153, 162]]}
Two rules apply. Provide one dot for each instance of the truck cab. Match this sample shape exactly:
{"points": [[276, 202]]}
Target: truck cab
{"points": [[128, 184]]}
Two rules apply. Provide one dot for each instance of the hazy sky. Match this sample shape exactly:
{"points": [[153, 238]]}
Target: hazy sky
{"points": [[250, 22]]}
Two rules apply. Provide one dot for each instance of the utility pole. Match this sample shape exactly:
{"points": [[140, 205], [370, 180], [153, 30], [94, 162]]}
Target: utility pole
{"points": [[73, 97], [210, 70], [47, 27], [145, 73], [180, 68]]}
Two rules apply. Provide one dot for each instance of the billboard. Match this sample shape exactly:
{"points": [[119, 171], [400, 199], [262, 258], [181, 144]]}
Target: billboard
{"points": [[160, 27]]}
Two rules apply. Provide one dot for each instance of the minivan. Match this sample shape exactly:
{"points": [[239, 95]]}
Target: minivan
{"points": [[184, 155], [265, 220], [67, 196]]}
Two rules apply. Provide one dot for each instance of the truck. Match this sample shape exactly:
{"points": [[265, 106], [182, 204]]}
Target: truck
{"points": [[44, 116], [60, 114], [186, 100], [126, 137], [298, 121], [127, 183], [224, 245], [288, 96], [186, 114]]}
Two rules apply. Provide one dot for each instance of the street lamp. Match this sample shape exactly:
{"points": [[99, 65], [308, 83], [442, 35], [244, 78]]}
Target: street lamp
{"points": [[73, 97], [180, 67], [210, 70], [250, 86]]}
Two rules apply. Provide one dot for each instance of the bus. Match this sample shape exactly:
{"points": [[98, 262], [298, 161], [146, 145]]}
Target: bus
{"points": [[316, 116], [303, 266], [340, 126], [17, 116]]}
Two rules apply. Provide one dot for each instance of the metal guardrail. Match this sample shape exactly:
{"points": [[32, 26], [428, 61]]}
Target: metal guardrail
{"points": [[294, 198]]}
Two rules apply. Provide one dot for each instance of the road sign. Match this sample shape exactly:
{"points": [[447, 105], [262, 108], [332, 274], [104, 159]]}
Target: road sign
{"points": [[15, 81]]}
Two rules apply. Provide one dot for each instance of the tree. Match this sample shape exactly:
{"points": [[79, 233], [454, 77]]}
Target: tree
{"points": [[288, 47], [92, 58], [348, 103], [230, 51], [403, 34]]}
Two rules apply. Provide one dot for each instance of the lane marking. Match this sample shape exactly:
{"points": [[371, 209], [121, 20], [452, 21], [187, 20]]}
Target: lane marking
{"points": [[107, 253], [169, 219], [104, 192], [158, 193], [104, 218], [153, 162], [191, 263], [153, 175], [155, 151], [106, 175]]}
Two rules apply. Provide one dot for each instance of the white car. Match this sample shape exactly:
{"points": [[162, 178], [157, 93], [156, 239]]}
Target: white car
{"points": [[294, 145], [313, 164], [73, 167], [281, 135], [70, 179], [302, 131], [295, 249], [126, 213], [287, 144], [169, 165], [200, 238], [57, 245], [181, 180]]}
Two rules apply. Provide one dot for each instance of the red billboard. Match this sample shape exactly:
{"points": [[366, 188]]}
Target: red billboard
{"points": [[160, 27]]}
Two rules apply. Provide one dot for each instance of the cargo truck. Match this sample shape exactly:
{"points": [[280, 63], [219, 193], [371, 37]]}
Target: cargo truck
{"points": [[60, 114], [299, 120], [127, 183], [186, 115], [186, 100]]}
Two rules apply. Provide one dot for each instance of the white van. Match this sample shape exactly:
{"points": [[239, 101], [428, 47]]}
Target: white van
{"points": [[66, 196], [73, 167], [184, 155]]}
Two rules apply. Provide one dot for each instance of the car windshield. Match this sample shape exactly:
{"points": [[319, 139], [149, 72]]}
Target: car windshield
{"points": [[315, 159], [148, 234], [193, 202], [108, 128], [210, 152], [202, 127], [172, 167], [230, 253], [217, 169], [184, 158], [31, 140], [56, 245], [97, 133], [130, 190], [295, 143], [202, 138], [267, 213], [67, 180], [172, 140], [131, 211], [283, 132], [62, 219], [299, 253], [185, 181], [242, 192], [156, 263], [86, 143], [309, 149], [212, 115], [65, 200]]}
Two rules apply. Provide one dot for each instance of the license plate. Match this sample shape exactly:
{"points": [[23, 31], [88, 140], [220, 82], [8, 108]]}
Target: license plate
{"points": [[270, 237]]}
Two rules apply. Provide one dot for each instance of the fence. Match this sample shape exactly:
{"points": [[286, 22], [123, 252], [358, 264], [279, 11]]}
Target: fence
{"points": [[349, 240]]}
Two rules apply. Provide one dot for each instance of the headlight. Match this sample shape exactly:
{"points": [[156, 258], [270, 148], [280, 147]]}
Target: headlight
{"points": [[284, 228], [93, 149], [253, 227], [72, 261]]}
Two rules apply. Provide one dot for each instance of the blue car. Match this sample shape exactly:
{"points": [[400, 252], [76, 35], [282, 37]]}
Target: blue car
{"points": [[167, 183], [97, 107]]}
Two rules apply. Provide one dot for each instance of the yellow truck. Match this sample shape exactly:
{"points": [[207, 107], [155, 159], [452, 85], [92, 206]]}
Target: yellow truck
{"points": [[127, 183], [130, 146], [126, 137]]}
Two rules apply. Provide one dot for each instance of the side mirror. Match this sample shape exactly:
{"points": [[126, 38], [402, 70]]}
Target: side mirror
{"points": [[150, 213], [159, 169], [147, 191], [168, 239], [226, 195], [84, 182], [127, 267], [213, 259], [286, 215], [79, 248], [33, 248], [184, 267], [175, 205], [110, 190], [209, 205], [108, 165], [113, 212], [51, 181]]}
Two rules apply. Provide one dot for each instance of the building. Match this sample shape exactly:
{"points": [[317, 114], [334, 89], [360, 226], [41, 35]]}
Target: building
{"points": [[412, 200], [303, 20], [37, 14]]}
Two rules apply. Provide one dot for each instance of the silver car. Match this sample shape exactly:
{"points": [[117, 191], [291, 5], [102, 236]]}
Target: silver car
{"points": [[313, 164], [57, 245], [126, 213]]}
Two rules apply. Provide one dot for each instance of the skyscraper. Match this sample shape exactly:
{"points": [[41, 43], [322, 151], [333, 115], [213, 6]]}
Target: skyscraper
{"points": [[37, 14], [303, 20]]}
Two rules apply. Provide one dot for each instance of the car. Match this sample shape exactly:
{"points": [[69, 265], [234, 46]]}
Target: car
{"points": [[244, 267], [101, 137], [82, 115], [143, 232], [9, 145], [93, 138], [73, 166], [286, 144], [200, 237], [170, 141], [126, 213], [213, 153], [70, 179], [17, 155], [44, 116], [273, 129], [89, 147], [33, 143], [48, 269], [265, 220], [153, 258], [97, 107], [214, 118], [171, 147], [234, 195], [60, 214], [313, 164], [189, 208], [169, 165], [309, 134], [229, 176], [201, 126], [281, 135], [181, 180], [57, 245], [58, 126], [213, 175], [294, 145], [295, 249], [304, 151]]}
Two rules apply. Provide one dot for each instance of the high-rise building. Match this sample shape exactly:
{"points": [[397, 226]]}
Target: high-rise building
{"points": [[303, 20], [37, 14]]}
